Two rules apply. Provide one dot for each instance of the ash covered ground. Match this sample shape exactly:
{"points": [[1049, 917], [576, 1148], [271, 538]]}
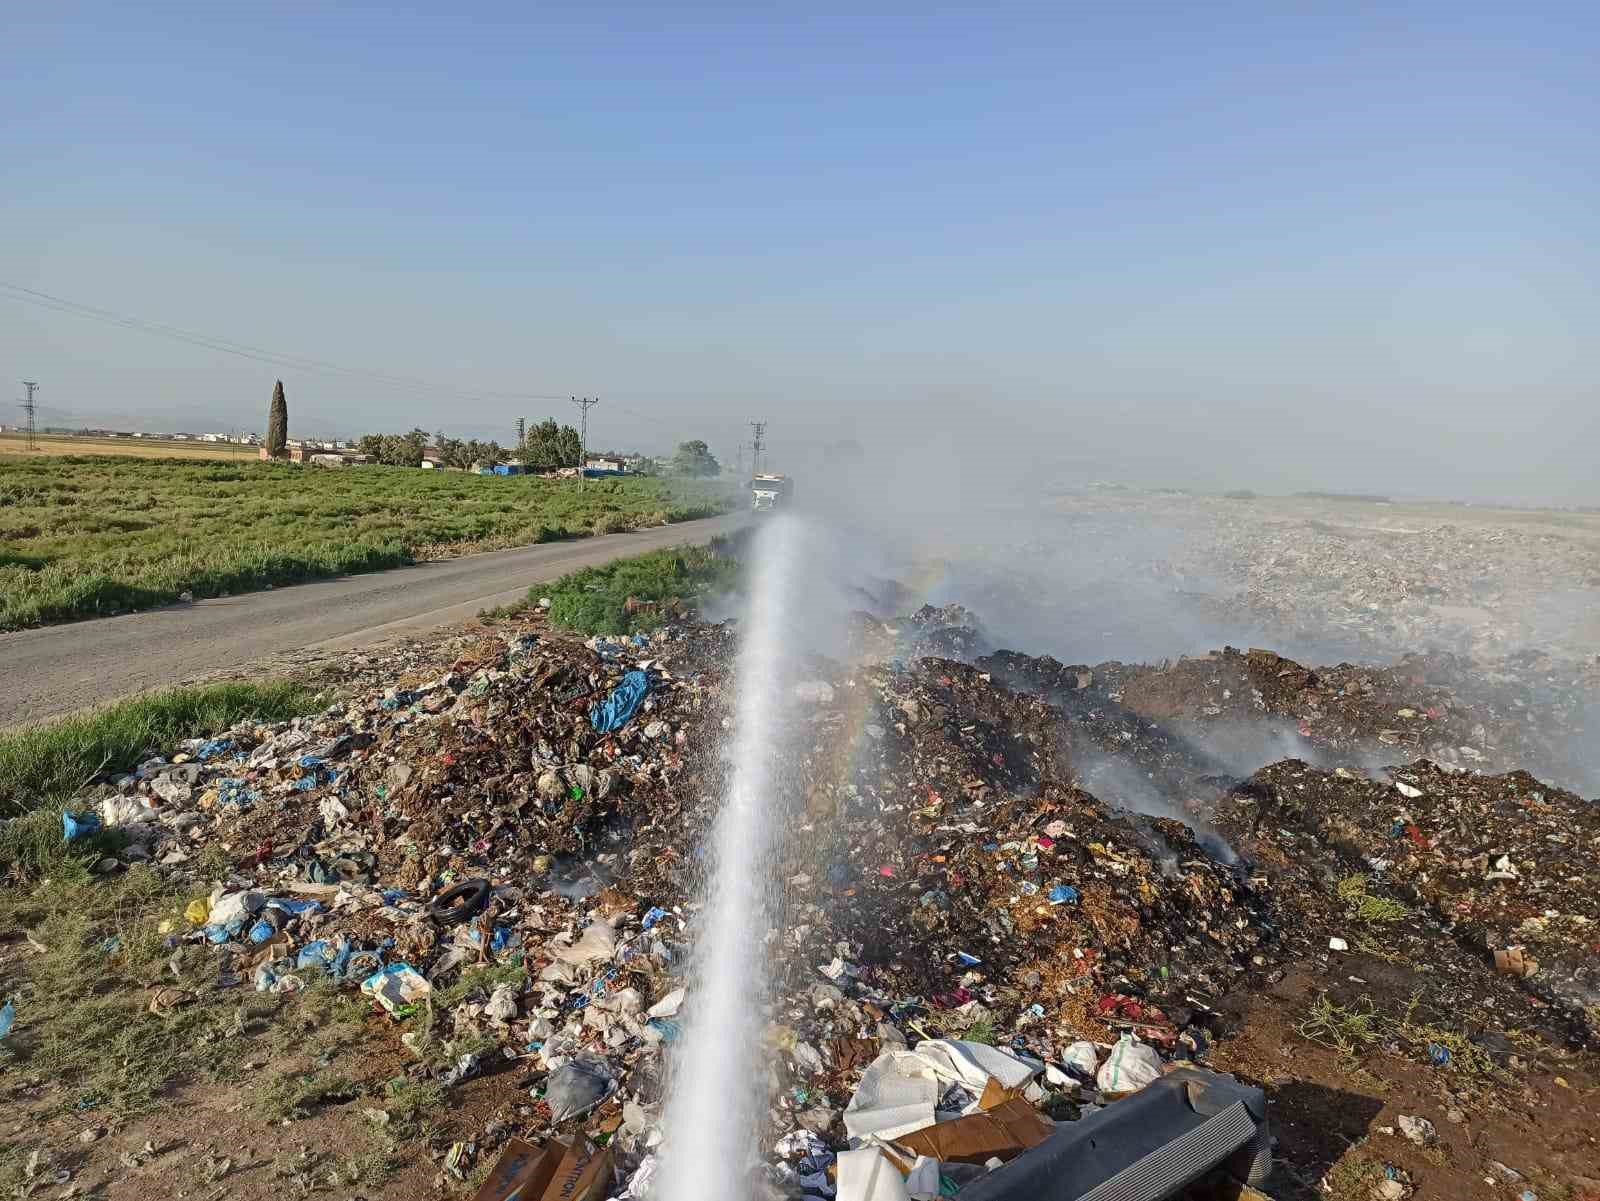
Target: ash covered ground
{"points": [[1367, 881]]}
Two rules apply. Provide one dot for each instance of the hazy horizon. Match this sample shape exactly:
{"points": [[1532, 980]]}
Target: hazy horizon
{"points": [[1345, 250]]}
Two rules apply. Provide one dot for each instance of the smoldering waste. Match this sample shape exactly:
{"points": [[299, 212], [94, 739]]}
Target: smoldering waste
{"points": [[1053, 863]]}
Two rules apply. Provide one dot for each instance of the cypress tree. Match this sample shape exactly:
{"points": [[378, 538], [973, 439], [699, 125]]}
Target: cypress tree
{"points": [[278, 424]]}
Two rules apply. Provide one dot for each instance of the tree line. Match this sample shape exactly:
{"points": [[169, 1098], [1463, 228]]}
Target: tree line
{"points": [[548, 446]]}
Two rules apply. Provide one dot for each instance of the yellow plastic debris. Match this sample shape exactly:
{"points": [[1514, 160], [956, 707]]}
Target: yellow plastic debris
{"points": [[198, 911]]}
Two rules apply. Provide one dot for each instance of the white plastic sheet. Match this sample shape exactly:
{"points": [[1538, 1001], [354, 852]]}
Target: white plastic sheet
{"points": [[865, 1175], [973, 1064], [896, 1095], [900, 1089]]}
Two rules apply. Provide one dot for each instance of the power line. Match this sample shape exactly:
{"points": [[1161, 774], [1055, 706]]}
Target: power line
{"points": [[245, 350], [585, 403], [260, 354], [28, 408]]}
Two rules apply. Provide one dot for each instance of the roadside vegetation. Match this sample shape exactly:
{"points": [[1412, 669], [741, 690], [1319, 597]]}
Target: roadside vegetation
{"points": [[43, 767], [85, 537], [635, 594]]}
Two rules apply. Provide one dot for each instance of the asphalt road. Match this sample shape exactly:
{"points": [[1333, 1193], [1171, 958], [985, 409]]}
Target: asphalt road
{"points": [[58, 669]]}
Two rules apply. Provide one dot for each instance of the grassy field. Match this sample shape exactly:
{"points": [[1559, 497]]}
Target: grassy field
{"points": [[83, 537], [133, 448]]}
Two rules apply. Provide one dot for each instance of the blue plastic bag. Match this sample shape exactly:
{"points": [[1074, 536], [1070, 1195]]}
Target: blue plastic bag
{"points": [[613, 713], [1063, 894], [234, 791], [8, 1017], [213, 747], [79, 825], [330, 957]]}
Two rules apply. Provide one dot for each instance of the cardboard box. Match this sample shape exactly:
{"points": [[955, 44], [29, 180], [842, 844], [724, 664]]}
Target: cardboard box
{"points": [[1003, 1132], [520, 1174], [585, 1173], [555, 1171]]}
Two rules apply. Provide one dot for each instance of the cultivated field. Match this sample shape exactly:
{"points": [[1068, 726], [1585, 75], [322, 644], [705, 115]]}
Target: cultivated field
{"points": [[134, 448], [83, 536]]}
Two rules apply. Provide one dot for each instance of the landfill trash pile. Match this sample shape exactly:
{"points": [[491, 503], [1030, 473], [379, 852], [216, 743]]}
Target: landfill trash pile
{"points": [[1228, 712], [1013, 891], [1395, 583], [1505, 863], [1502, 607], [1382, 578]]}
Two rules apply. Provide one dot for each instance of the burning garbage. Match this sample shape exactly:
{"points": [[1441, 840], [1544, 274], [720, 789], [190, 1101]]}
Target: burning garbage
{"points": [[1015, 904]]}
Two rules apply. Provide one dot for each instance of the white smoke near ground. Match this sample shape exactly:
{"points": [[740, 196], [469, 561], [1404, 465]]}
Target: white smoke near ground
{"points": [[1056, 563], [1123, 786]]}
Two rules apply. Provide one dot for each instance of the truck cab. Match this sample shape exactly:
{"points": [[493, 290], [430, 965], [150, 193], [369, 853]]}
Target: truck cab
{"points": [[769, 492]]}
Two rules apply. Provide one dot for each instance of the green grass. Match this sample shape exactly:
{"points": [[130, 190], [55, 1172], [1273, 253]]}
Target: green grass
{"points": [[42, 767], [82, 536], [291, 1095], [83, 1020], [1467, 1058], [594, 600], [1366, 907], [411, 1105], [1345, 1029], [981, 1031], [476, 980], [1355, 1175]]}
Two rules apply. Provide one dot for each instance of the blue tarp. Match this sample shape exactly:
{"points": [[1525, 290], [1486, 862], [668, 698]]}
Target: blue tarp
{"points": [[613, 713]]}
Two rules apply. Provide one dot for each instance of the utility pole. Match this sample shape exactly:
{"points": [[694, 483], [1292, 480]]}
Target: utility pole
{"points": [[27, 407], [760, 428], [740, 468], [585, 403], [522, 432]]}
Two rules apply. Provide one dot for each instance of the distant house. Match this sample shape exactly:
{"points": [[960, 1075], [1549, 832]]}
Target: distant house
{"points": [[293, 453], [616, 465]]}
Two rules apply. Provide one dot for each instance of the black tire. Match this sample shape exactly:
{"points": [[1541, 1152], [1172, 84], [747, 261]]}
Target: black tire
{"points": [[456, 905]]}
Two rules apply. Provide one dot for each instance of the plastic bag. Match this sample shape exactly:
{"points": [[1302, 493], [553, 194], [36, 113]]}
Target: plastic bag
{"points": [[1132, 1065], [598, 941], [1081, 1059], [79, 825], [577, 1086], [613, 713], [396, 986]]}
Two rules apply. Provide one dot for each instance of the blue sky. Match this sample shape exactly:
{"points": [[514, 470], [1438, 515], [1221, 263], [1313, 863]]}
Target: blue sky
{"points": [[1314, 245]]}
